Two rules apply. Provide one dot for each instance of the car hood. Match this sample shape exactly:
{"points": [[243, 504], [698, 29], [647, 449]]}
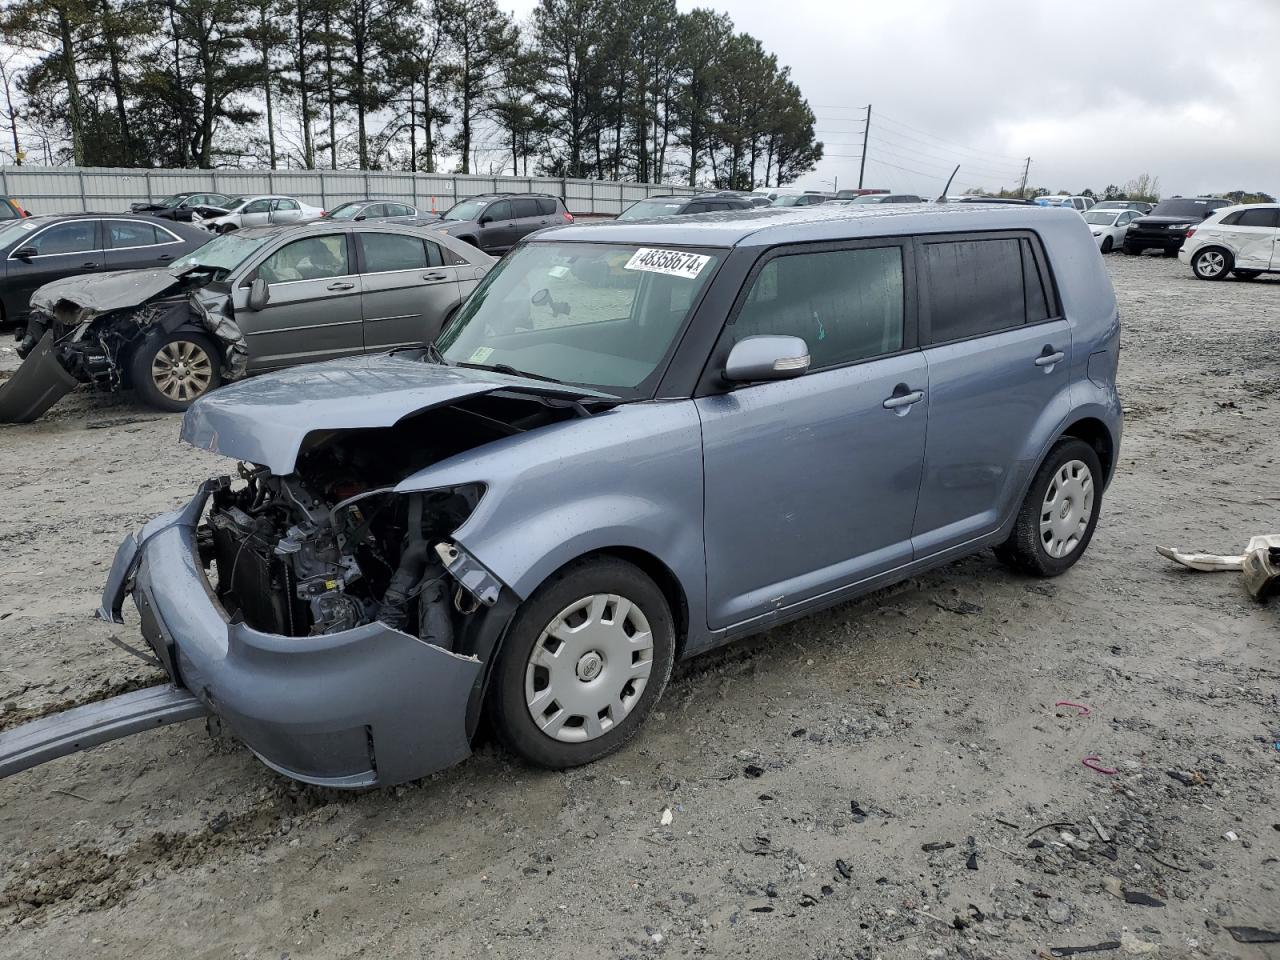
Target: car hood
{"points": [[266, 420], [77, 299]]}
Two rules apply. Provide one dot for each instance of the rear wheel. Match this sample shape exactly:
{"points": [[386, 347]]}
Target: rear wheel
{"points": [[171, 371], [587, 657], [1058, 515], [1211, 263]]}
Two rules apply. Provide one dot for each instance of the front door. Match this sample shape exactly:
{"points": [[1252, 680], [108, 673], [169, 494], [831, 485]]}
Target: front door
{"points": [[256, 213], [811, 483], [63, 249], [313, 312], [1254, 237], [999, 355], [407, 290], [498, 232]]}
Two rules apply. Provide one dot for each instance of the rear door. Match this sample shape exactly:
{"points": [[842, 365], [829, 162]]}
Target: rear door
{"points": [[285, 211], [527, 215], [1253, 235], [314, 308], [131, 244], [63, 249], [407, 290], [999, 352]]}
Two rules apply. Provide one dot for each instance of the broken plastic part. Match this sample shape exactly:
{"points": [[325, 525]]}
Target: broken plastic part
{"points": [[478, 581], [38, 384], [1260, 563]]}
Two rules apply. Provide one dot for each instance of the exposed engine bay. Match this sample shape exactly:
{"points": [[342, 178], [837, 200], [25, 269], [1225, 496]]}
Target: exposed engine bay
{"points": [[333, 546]]}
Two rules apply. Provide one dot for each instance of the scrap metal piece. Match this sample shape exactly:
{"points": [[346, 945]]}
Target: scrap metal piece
{"points": [[468, 571], [80, 728], [39, 383], [1260, 563]]}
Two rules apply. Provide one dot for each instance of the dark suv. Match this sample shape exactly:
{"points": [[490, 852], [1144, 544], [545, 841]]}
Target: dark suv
{"points": [[652, 207], [1166, 226], [496, 222]]}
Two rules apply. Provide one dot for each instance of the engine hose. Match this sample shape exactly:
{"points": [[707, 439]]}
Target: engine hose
{"points": [[393, 610], [435, 622]]}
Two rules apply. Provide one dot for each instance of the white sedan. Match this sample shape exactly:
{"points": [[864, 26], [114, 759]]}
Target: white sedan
{"points": [[259, 211], [1109, 227]]}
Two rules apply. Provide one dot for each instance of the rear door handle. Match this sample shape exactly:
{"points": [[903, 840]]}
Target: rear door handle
{"points": [[1049, 359], [165, 257], [434, 277], [900, 403], [90, 265], [340, 285]]}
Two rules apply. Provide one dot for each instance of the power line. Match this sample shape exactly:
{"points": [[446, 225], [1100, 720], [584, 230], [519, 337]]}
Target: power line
{"points": [[1002, 156], [915, 143], [919, 156]]}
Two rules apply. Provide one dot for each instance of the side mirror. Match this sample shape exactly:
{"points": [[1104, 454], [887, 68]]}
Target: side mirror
{"points": [[767, 358], [259, 294], [485, 219], [26, 253], [359, 218]]}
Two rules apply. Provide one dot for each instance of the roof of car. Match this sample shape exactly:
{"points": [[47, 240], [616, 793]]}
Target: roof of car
{"points": [[765, 226], [503, 196]]}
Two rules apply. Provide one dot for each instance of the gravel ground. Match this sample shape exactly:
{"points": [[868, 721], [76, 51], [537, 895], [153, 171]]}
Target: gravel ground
{"points": [[890, 778]]}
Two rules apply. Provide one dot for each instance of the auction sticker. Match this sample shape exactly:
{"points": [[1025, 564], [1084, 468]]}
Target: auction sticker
{"points": [[675, 263]]}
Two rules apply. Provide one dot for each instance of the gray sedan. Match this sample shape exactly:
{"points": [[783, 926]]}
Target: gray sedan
{"points": [[256, 299]]}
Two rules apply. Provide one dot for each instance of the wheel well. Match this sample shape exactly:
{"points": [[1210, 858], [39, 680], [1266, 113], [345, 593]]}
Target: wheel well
{"points": [[661, 574], [1095, 433]]}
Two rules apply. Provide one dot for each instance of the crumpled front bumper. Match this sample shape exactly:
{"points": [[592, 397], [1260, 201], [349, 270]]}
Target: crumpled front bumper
{"points": [[366, 707], [36, 386]]}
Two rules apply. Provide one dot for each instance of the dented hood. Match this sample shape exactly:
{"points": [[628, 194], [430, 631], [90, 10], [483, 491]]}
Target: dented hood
{"points": [[90, 295], [265, 420]]}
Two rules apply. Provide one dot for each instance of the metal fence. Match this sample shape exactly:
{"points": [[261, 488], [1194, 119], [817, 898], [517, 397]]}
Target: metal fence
{"points": [[110, 189]]}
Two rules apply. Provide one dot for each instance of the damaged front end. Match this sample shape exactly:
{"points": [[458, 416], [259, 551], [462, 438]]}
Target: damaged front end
{"points": [[83, 329]]}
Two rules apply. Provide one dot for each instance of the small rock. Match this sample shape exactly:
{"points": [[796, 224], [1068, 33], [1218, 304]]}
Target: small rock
{"points": [[753, 771], [1131, 943], [1059, 911]]}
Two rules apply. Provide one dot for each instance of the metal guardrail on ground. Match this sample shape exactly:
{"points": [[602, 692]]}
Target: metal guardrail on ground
{"points": [[83, 189]]}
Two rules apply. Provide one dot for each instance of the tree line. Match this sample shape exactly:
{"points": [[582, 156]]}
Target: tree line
{"points": [[1143, 187], [602, 89]]}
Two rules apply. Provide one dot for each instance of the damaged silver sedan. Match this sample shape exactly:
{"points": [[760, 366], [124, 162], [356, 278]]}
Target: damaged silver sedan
{"points": [[258, 299]]}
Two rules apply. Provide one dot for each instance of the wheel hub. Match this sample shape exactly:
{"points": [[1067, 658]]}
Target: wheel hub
{"points": [[589, 666], [1067, 509]]}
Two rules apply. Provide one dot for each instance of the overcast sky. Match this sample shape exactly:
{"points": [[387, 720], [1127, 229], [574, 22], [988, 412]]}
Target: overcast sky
{"points": [[1094, 91]]}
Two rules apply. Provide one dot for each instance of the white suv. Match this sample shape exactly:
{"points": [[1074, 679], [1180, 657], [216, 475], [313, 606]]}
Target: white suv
{"points": [[1243, 240]]}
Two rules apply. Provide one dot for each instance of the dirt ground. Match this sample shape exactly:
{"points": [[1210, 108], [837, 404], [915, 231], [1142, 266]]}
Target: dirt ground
{"points": [[805, 770]]}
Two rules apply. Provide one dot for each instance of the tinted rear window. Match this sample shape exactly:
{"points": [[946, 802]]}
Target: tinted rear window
{"points": [[546, 206], [1257, 218], [524, 207], [982, 286]]}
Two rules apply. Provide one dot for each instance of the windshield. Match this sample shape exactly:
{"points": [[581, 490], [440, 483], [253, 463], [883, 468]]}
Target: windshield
{"points": [[1197, 209], [345, 211], [172, 201], [786, 201], [14, 229], [594, 314], [645, 209], [220, 256], [1104, 217], [237, 203], [872, 198], [466, 210]]}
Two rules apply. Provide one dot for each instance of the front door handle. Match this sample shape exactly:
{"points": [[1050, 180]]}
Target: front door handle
{"points": [[90, 265], [165, 257], [903, 399], [434, 277], [340, 285], [1049, 360]]}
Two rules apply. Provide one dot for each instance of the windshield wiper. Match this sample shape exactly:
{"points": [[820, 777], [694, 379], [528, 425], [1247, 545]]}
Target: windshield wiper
{"points": [[510, 370]]}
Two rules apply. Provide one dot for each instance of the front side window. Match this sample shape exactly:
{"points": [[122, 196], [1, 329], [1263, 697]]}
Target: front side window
{"points": [[124, 233], [600, 315], [393, 251], [1257, 218], [499, 211], [847, 305], [258, 206], [78, 236], [312, 258], [982, 286]]}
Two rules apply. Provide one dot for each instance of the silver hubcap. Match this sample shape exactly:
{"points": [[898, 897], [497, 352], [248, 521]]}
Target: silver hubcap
{"points": [[1067, 507], [588, 668], [182, 370], [1211, 264]]}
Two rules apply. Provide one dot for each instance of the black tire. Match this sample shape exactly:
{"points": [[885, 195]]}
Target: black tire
{"points": [[1171, 253], [144, 370], [1212, 263], [1025, 549], [471, 240], [1246, 274], [1129, 250], [577, 582], [1107, 244], [226, 228]]}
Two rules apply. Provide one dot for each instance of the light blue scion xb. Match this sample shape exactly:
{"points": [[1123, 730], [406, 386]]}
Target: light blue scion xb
{"points": [[633, 443]]}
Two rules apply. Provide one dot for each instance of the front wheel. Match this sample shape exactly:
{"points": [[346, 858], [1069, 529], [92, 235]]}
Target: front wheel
{"points": [[1107, 244], [171, 371], [587, 657], [1211, 264], [1058, 515]]}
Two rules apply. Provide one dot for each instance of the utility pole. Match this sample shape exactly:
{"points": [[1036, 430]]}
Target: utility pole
{"points": [[1022, 189], [862, 165]]}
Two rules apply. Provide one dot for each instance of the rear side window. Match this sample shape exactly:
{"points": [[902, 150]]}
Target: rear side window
{"points": [[126, 233], [524, 207], [546, 206], [847, 305], [1257, 218], [983, 286]]}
